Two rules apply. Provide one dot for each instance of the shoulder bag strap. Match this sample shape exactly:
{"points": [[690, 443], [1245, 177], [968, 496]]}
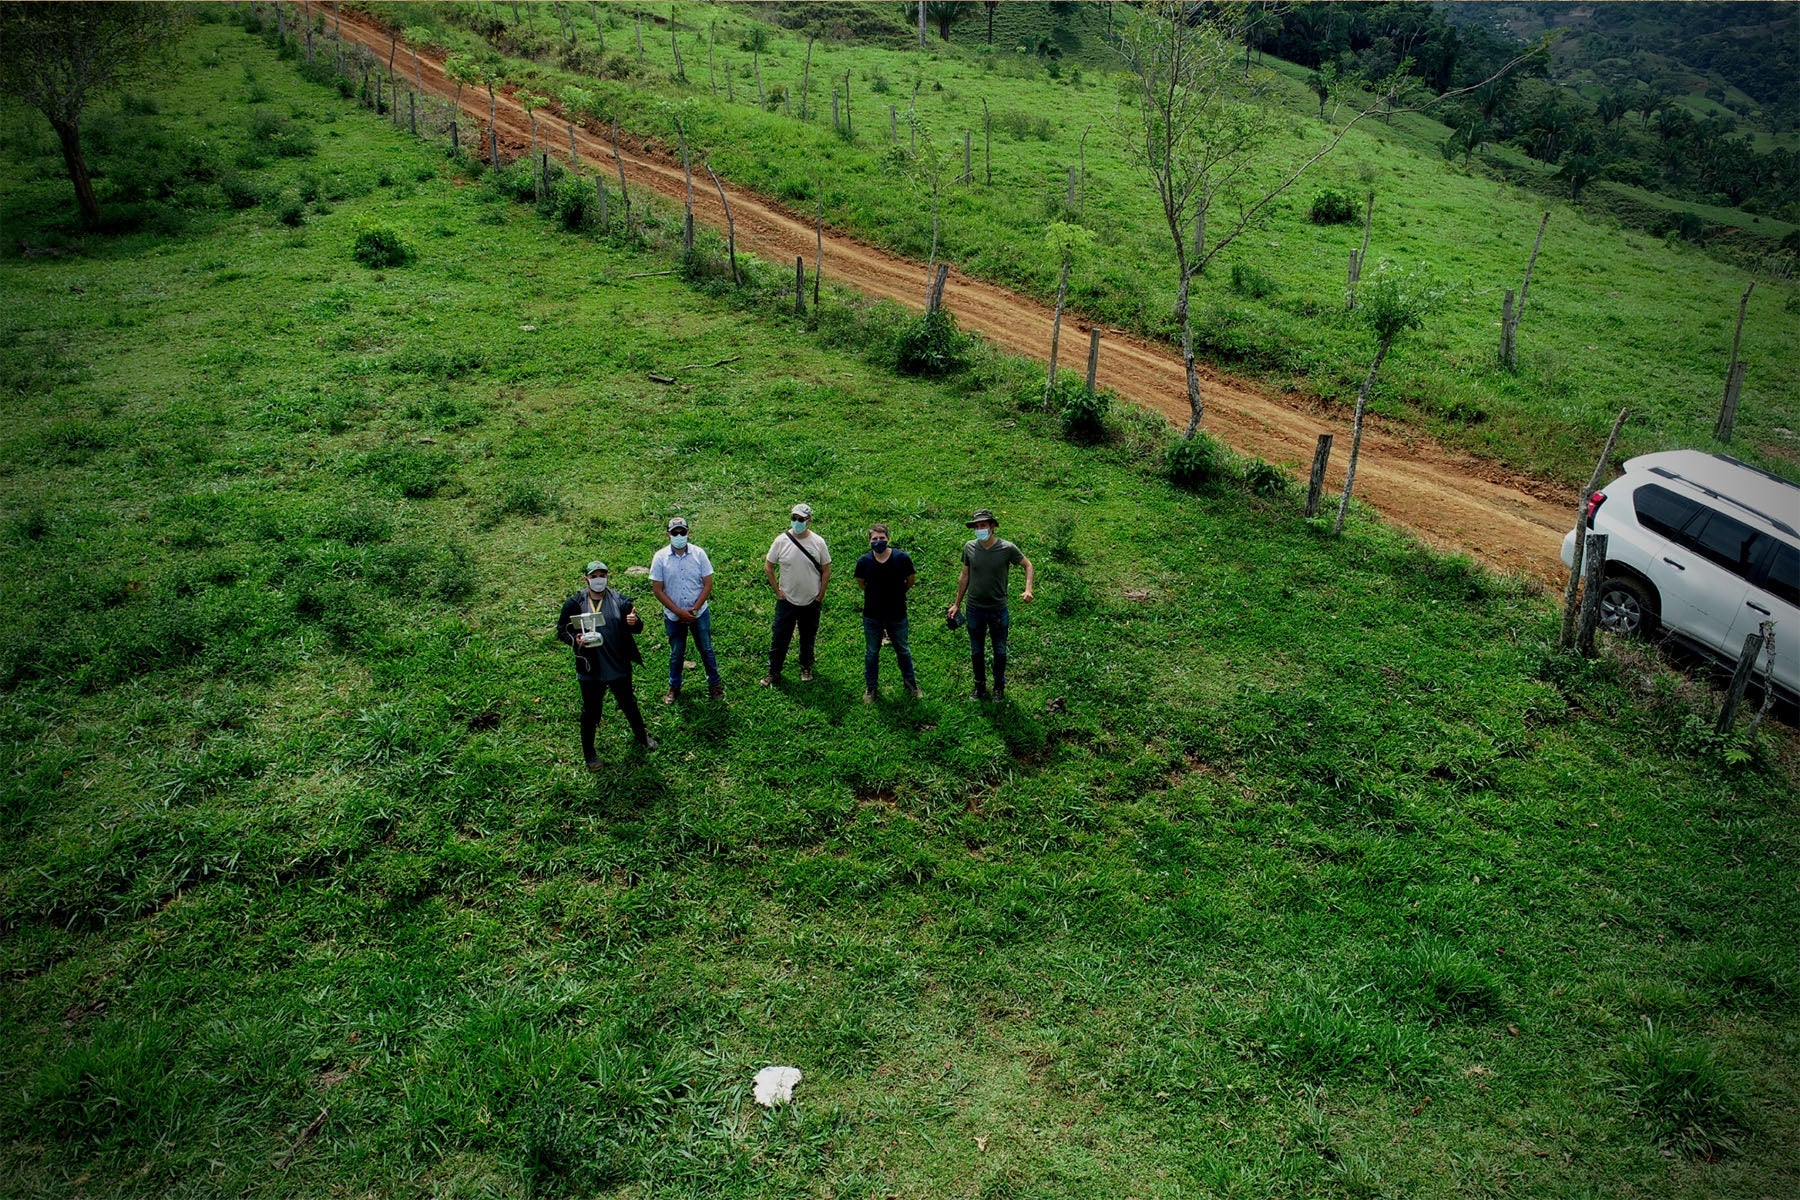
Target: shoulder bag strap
{"points": [[809, 558]]}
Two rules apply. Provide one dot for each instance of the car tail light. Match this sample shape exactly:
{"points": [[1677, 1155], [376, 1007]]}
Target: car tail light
{"points": [[1593, 506]]}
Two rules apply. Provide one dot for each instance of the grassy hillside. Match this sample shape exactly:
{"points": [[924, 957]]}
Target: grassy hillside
{"points": [[1294, 867], [1616, 316]]}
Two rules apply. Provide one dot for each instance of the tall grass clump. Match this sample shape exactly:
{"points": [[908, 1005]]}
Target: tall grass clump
{"points": [[1682, 1092], [378, 246]]}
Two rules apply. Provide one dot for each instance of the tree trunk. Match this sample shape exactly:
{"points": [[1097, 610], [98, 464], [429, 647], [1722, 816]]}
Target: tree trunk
{"points": [[806, 78], [1530, 263], [1196, 409], [1062, 292], [1356, 428], [69, 135], [730, 225], [624, 195]]}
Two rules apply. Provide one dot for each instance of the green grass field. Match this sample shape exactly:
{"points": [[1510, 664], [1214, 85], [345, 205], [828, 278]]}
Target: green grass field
{"points": [[1616, 317], [1313, 872]]}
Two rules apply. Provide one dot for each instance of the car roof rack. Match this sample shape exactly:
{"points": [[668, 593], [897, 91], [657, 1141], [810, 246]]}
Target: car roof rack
{"points": [[1769, 475], [1715, 494]]}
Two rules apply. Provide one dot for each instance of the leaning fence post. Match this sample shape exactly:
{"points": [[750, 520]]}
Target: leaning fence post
{"points": [[1093, 357], [1509, 324], [799, 285], [1734, 374], [1590, 597], [1315, 486], [455, 140], [1566, 636], [1740, 681]]}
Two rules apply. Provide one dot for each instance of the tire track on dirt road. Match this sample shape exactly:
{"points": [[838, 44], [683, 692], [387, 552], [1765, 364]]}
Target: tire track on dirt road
{"points": [[1448, 499]]}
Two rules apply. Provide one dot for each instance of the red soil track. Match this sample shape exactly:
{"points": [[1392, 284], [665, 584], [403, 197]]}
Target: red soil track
{"points": [[1449, 499]]}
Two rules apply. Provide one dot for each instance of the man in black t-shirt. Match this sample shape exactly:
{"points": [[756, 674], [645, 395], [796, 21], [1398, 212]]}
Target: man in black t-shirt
{"points": [[885, 575]]}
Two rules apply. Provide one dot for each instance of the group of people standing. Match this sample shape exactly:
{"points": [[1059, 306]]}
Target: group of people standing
{"points": [[600, 624]]}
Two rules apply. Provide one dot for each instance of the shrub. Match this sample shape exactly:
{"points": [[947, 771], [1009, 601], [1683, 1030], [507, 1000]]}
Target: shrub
{"points": [[290, 210], [1082, 413], [1194, 462], [1248, 281], [932, 345], [1681, 1092], [239, 191], [1332, 207], [1263, 478], [380, 246], [574, 203]]}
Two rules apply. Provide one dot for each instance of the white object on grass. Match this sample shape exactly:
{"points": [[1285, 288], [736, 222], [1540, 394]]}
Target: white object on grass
{"points": [[775, 1085]]}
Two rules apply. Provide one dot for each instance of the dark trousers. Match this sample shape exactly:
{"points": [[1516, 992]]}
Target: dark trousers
{"points": [[593, 695], [990, 624], [787, 616], [896, 631]]}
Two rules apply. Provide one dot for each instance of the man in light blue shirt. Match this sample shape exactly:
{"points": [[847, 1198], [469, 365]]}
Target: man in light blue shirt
{"points": [[682, 578]]}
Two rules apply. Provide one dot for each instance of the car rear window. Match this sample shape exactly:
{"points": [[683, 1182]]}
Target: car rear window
{"points": [[1662, 511], [1784, 574]]}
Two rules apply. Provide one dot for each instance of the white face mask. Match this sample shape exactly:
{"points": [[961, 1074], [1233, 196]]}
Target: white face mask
{"points": [[597, 582]]}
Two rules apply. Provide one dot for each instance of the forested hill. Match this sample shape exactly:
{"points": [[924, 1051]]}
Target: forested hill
{"points": [[1710, 49]]}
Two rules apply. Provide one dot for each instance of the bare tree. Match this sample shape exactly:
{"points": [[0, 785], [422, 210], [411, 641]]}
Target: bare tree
{"points": [[60, 57], [1197, 125]]}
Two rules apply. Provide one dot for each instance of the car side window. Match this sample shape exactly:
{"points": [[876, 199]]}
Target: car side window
{"points": [[1732, 544], [1661, 511], [1783, 581]]}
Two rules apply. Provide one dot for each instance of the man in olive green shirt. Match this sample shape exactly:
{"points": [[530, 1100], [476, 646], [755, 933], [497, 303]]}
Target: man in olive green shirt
{"points": [[987, 563]]}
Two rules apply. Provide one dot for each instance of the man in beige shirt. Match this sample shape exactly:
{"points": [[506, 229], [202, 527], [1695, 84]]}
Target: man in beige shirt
{"points": [[798, 568]]}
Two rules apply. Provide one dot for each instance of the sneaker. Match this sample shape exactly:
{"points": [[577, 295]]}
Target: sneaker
{"points": [[868, 697], [805, 674], [649, 743], [594, 764], [978, 694], [999, 693], [672, 695], [769, 680], [716, 692], [912, 689]]}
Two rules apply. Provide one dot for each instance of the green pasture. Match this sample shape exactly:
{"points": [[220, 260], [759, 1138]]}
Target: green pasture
{"points": [[1293, 866], [1616, 317]]}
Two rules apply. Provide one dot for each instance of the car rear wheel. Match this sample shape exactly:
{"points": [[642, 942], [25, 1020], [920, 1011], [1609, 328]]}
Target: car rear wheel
{"points": [[1627, 607]]}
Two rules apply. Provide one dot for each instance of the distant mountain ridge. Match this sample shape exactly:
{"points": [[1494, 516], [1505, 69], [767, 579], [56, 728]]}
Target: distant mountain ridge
{"points": [[1697, 48]]}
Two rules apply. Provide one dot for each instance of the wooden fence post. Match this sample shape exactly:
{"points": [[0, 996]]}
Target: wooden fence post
{"points": [[1566, 637], [1740, 681], [799, 285], [1734, 374], [819, 244], [1529, 264], [1070, 203], [1590, 599], [893, 126], [455, 140], [412, 112], [1315, 486], [968, 176], [1351, 277], [1509, 324], [1093, 357], [600, 192]]}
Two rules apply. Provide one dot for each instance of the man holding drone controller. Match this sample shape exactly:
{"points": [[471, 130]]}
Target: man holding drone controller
{"points": [[600, 625]]}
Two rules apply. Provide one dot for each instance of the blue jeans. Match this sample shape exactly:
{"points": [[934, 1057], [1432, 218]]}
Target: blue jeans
{"points": [[896, 631], [991, 624], [678, 636]]}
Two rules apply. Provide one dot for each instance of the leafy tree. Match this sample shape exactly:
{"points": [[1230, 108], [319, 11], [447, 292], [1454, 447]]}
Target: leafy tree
{"points": [[1579, 170], [945, 13], [1392, 302], [61, 57], [1323, 82], [1612, 107]]}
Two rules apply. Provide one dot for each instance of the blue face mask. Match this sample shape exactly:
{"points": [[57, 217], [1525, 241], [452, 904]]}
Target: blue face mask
{"points": [[679, 541], [983, 535], [799, 526]]}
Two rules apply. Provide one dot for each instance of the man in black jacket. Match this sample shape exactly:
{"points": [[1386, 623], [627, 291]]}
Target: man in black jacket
{"points": [[604, 657]]}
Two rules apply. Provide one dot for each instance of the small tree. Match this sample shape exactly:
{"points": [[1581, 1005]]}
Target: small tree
{"points": [[1065, 240], [416, 36], [58, 58], [1393, 302]]}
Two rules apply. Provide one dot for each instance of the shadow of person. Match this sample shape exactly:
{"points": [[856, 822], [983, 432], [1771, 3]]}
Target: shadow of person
{"points": [[828, 697], [630, 781]]}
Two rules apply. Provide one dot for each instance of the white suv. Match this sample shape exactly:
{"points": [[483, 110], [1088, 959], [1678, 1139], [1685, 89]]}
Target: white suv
{"points": [[1703, 547]]}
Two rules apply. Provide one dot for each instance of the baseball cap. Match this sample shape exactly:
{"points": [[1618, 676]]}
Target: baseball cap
{"points": [[596, 565], [677, 523], [803, 511]]}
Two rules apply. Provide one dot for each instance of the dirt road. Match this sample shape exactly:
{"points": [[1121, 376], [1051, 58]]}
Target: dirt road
{"points": [[1449, 499]]}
